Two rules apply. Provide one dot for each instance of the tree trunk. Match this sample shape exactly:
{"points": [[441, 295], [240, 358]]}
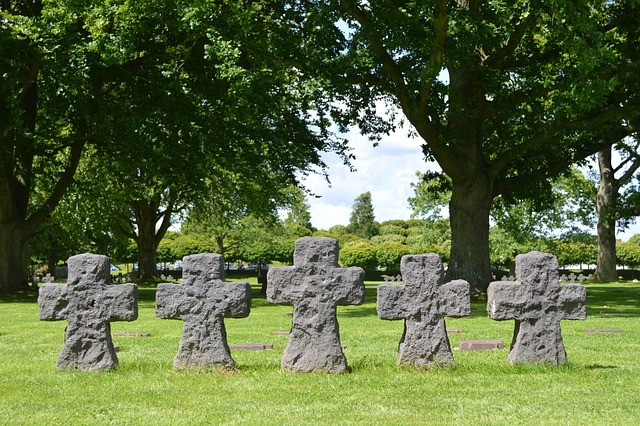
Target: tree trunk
{"points": [[14, 257], [146, 240], [469, 215], [605, 206]]}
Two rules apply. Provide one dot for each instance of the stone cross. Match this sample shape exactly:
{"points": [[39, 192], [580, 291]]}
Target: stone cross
{"points": [[89, 304], [537, 302], [572, 277], [314, 286], [423, 301], [202, 301]]}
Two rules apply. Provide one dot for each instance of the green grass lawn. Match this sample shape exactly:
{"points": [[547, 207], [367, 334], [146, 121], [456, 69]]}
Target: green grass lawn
{"points": [[599, 385]]}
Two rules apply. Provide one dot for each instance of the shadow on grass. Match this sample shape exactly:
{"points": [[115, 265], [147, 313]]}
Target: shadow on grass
{"points": [[612, 300]]}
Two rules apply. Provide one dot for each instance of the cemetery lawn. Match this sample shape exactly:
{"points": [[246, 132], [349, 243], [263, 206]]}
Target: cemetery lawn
{"points": [[599, 385]]}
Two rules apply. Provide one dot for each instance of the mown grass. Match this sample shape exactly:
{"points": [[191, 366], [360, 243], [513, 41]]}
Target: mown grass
{"points": [[600, 384]]}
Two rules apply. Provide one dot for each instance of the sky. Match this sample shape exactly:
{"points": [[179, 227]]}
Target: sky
{"points": [[386, 171]]}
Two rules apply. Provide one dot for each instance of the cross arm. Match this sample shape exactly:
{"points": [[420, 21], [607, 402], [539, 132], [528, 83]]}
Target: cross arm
{"points": [[282, 284], [350, 288], [52, 302], [237, 296], [506, 300], [389, 302], [122, 302], [572, 298], [170, 301], [455, 298]]}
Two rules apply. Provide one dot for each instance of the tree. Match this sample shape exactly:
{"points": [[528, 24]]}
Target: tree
{"points": [[362, 221], [46, 120], [609, 206], [192, 104], [299, 212], [522, 82]]}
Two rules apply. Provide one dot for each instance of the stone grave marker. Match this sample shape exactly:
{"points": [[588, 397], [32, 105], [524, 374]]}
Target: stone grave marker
{"points": [[480, 345], [572, 277], [48, 278], [422, 302], [537, 302], [89, 304], [315, 285], [202, 301]]}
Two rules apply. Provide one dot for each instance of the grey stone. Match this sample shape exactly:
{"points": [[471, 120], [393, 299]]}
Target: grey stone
{"points": [[126, 334], [202, 301], [423, 301], [537, 302], [480, 345], [252, 346], [89, 304], [314, 286]]}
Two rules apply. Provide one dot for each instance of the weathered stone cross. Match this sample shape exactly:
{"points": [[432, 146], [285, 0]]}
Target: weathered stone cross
{"points": [[202, 301], [423, 301], [537, 302], [89, 303], [314, 286]]}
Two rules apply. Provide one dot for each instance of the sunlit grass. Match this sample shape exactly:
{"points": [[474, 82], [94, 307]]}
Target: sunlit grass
{"points": [[600, 384]]}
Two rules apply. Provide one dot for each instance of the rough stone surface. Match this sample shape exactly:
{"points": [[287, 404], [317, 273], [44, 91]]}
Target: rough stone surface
{"points": [[480, 345], [537, 302], [423, 301], [89, 303], [202, 301], [315, 285]]}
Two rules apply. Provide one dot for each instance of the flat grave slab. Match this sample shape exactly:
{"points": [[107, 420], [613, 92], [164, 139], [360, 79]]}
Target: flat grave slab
{"points": [[252, 346], [480, 345], [125, 334]]}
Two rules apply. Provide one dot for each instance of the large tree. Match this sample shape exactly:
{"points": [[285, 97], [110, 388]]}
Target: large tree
{"points": [[196, 117], [46, 119], [611, 204], [496, 90]]}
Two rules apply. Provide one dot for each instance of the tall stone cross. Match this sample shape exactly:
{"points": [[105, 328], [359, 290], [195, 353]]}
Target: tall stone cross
{"points": [[423, 301], [537, 302], [202, 301], [89, 303], [315, 285]]}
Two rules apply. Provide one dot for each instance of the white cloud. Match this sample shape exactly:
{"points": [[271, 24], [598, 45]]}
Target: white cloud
{"points": [[386, 171]]}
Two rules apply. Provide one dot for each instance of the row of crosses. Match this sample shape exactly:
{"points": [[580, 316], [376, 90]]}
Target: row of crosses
{"points": [[315, 285]]}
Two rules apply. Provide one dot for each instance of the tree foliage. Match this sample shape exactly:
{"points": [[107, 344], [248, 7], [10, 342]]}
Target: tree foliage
{"points": [[501, 93], [362, 221]]}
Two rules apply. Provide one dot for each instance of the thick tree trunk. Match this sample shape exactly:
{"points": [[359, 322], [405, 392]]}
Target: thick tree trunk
{"points": [[605, 206], [14, 257], [469, 215], [146, 241]]}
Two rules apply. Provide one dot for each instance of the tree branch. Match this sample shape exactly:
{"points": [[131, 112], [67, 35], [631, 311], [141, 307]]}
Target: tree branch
{"points": [[63, 183]]}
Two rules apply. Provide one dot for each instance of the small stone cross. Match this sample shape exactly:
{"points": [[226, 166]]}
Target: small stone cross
{"points": [[202, 301], [49, 278], [314, 286], [423, 301], [537, 302], [89, 303], [572, 277]]}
